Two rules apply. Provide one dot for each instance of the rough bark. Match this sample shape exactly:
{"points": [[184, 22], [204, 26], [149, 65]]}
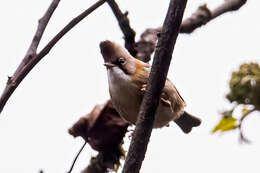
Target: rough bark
{"points": [[162, 58]]}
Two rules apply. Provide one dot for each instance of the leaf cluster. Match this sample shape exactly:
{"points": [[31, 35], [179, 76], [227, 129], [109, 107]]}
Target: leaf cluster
{"points": [[244, 91], [245, 85]]}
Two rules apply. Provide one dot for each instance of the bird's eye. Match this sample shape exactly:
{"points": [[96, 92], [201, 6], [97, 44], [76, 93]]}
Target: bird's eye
{"points": [[121, 60]]}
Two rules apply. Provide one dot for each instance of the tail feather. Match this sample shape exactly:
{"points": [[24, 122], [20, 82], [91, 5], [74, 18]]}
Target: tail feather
{"points": [[187, 121]]}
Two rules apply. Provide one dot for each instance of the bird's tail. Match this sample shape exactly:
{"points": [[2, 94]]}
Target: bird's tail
{"points": [[187, 121]]}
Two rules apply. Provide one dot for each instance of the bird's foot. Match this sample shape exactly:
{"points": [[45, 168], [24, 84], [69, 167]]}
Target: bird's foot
{"points": [[131, 134], [143, 87]]}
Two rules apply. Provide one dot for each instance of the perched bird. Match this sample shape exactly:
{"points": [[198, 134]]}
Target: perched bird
{"points": [[127, 78]]}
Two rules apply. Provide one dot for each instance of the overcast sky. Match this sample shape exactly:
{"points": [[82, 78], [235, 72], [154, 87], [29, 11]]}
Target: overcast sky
{"points": [[69, 81]]}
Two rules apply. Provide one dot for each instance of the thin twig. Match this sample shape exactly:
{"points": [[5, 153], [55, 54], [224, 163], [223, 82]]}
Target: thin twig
{"points": [[66, 29], [42, 24], [28, 63], [124, 24], [75, 159], [13, 81], [162, 59]]}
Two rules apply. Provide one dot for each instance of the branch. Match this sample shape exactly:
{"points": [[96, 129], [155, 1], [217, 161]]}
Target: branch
{"points": [[123, 22], [66, 29], [75, 159], [31, 53], [43, 22], [203, 15], [147, 43], [32, 59], [155, 85]]}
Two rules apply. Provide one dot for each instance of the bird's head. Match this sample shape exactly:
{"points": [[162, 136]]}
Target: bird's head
{"points": [[116, 56], [119, 60]]}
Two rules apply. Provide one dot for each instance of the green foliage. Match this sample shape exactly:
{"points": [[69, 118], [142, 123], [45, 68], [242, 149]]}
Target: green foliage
{"points": [[226, 124], [244, 90], [245, 85]]}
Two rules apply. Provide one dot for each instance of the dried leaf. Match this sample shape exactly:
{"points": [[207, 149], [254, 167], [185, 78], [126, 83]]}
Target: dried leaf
{"points": [[102, 128]]}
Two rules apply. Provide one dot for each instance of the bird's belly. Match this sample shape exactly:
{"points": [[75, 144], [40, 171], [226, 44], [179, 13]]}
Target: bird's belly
{"points": [[127, 97], [128, 101]]}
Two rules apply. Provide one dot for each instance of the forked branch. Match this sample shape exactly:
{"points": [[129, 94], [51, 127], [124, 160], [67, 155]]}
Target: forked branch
{"points": [[32, 58]]}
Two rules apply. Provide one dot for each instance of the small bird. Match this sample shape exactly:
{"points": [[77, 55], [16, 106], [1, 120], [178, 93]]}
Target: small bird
{"points": [[128, 77]]}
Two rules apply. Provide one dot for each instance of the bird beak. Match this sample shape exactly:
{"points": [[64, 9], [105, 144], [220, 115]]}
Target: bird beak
{"points": [[109, 65]]}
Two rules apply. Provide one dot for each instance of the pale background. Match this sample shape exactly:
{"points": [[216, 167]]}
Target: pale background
{"points": [[69, 81]]}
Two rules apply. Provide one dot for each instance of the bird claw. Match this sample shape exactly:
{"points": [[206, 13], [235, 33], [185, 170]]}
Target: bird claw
{"points": [[143, 87], [130, 136]]}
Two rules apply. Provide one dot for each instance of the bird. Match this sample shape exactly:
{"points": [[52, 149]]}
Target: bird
{"points": [[127, 80]]}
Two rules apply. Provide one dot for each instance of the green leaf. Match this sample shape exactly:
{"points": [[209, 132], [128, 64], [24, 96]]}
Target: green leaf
{"points": [[226, 124]]}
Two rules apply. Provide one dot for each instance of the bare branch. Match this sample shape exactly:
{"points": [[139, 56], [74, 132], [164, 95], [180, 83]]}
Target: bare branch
{"points": [[198, 18], [123, 21], [32, 59], [31, 53], [75, 159], [203, 15], [228, 6], [155, 85], [66, 29], [43, 22], [146, 45]]}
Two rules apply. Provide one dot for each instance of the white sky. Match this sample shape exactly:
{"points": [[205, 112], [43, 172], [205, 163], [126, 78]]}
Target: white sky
{"points": [[69, 81]]}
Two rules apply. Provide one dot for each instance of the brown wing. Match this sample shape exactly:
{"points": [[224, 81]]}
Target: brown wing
{"points": [[171, 95]]}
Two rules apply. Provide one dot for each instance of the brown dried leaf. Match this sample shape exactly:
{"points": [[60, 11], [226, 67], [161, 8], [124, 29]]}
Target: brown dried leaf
{"points": [[102, 128]]}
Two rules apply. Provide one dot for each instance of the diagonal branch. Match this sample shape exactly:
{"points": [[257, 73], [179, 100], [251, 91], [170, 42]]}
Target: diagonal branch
{"points": [[66, 29], [228, 6], [32, 59], [162, 59], [123, 22], [203, 15], [147, 43], [13, 81], [43, 22]]}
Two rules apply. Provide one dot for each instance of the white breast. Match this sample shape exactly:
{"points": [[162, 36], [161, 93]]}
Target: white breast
{"points": [[125, 95], [126, 98]]}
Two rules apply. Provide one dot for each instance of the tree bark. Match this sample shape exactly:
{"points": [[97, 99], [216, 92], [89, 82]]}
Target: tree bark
{"points": [[162, 59]]}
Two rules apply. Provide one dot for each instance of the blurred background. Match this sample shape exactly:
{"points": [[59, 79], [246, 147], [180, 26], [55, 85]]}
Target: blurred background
{"points": [[71, 80]]}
